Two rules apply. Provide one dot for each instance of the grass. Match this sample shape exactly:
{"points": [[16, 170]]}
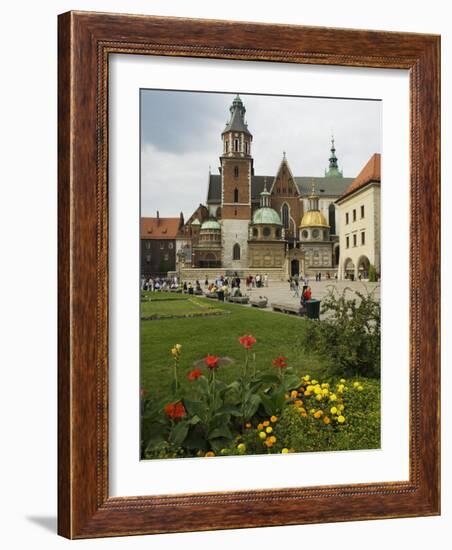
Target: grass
{"points": [[180, 306], [276, 334]]}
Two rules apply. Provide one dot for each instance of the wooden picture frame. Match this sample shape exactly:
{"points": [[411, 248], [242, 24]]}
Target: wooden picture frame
{"points": [[86, 40]]}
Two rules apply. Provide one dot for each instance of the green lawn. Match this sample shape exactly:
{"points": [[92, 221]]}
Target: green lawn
{"points": [[276, 334], [182, 305]]}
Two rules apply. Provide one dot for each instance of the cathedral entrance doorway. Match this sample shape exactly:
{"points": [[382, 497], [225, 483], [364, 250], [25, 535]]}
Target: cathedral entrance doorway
{"points": [[294, 267]]}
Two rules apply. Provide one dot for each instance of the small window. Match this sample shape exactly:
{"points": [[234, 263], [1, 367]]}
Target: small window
{"points": [[347, 242], [236, 144], [236, 195], [170, 246], [147, 245], [162, 246], [246, 147], [354, 215], [236, 252], [346, 218], [354, 239], [148, 259], [315, 233], [165, 257], [266, 231], [305, 234], [236, 171], [255, 232], [278, 233], [362, 211], [285, 216], [363, 238]]}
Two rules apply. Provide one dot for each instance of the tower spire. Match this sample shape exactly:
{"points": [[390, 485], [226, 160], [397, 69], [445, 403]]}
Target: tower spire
{"points": [[333, 170]]}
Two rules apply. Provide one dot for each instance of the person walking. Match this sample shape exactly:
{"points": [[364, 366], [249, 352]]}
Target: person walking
{"points": [[296, 288]]}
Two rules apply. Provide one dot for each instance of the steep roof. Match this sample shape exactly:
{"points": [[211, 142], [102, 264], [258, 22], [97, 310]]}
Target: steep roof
{"points": [[237, 121], [328, 187], [159, 228], [370, 173]]}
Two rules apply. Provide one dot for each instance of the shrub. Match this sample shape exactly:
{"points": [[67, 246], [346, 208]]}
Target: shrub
{"points": [[349, 337]]}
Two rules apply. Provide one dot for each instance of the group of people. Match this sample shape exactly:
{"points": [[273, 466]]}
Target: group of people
{"points": [[258, 281], [159, 283]]}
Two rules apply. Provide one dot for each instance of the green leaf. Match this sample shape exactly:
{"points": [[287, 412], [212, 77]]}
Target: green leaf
{"points": [[179, 433], [196, 408], [251, 406], [230, 409], [224, 432]]}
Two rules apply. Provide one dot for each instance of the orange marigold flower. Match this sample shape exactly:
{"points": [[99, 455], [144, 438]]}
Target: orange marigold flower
{"points": [[194, 374], [175, 410], [247, 341], [211, 361], [280, 362]]}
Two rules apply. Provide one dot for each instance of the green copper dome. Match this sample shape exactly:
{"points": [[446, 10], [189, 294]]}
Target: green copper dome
{"points": [[211, 224], [266, 215]]}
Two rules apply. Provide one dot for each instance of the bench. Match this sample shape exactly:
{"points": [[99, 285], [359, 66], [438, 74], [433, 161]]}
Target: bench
{"points": [[211, 295], [239, 299], [259, 302], [286, 308]]}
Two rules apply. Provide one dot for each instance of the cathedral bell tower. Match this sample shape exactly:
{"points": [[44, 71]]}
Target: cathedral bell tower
{"points": [[236, 171]]}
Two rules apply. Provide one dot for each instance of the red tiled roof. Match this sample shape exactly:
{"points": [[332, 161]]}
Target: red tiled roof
{"points": [[370, 172], [159, 228]]}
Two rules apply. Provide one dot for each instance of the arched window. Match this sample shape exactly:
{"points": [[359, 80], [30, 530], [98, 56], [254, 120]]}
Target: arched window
{"points": [[236, 252], [332, 218], [236, 144], [285, 216], [236, 195], [236, 171]]}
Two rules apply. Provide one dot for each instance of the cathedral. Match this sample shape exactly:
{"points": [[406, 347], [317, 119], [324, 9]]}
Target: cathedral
{"points": [[277, 224]]}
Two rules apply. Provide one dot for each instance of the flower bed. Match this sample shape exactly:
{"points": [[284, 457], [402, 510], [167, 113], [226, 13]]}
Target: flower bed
{"points": [[258, 413]]}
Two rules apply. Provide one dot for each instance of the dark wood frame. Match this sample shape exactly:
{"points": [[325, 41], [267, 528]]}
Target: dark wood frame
{"points": [[85, 42]]}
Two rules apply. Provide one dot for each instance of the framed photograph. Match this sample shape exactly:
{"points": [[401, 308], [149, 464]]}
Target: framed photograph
{"points": [[248, 275]]}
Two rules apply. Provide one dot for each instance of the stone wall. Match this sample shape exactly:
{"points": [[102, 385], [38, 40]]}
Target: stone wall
{"points": [[234, 232]]}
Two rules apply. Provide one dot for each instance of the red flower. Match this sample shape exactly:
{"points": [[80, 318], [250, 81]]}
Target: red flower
{"points": [[247, 341], [175, 410], [211, 361], [280, 362], [194, 374]]}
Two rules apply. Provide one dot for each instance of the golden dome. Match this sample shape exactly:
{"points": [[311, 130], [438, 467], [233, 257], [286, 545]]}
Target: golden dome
{"points": [[313, 218]]}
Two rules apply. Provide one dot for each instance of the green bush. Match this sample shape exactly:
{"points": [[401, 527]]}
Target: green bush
{"points": [[372, 274], [349, 337]]}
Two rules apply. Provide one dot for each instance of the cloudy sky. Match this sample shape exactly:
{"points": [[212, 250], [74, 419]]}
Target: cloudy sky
{"points": [[181, 138]]}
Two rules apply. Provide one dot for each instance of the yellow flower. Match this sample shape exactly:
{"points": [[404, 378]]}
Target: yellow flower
{"points": [[325, 391], [285, 451], [274, 418], [210, 453], [360, 388], [269, 429], [174, 352], [310, 388], [266, 423], [333, 410], [342, 380], [294, 394], [333, 397], [318, 414], [262, 435], [306, 377], [286, 396], [312, 411], [326, 420], [340, 407], [325, 385], [355, 384], [272, 438], [314, 382], [307, 393], [317, 390], [260, 426], [241, 447], [340, 419], [178, 347], [319, 397], [248, 425]]}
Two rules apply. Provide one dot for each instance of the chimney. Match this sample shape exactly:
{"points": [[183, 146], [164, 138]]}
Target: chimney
{"points": [[181, 220], [158, 218]]}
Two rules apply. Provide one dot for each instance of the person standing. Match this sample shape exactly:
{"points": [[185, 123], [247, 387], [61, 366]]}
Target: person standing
{"points": [[295, 287], [266, 279]]}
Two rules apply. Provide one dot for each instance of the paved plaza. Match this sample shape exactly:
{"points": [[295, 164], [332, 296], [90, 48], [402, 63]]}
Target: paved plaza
{"points": [[279, 292]]}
